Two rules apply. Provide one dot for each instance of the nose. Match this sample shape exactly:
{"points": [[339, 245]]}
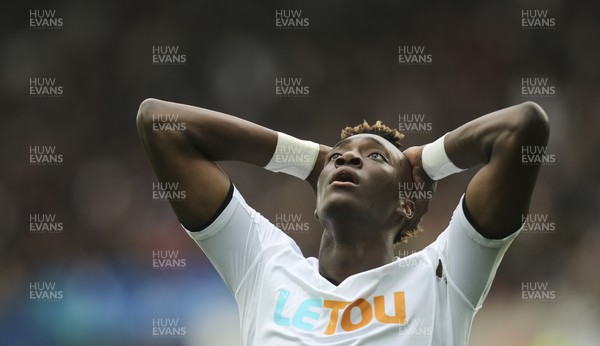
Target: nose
{"points": [[348, 158]]}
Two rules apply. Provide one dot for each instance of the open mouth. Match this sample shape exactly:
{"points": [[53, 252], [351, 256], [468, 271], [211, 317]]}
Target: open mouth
{"points": [[344, 177]]}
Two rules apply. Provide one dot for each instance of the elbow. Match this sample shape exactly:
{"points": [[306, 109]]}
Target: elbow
{"points": [[144, 114], [536, 113], [534, 122]]}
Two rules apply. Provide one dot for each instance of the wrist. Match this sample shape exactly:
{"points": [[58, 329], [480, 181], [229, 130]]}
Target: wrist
{"points": [[436, 162], [293, 156]]}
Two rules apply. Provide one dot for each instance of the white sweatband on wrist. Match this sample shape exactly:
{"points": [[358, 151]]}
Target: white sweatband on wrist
{"points": [[435, 161], [293, 156]]}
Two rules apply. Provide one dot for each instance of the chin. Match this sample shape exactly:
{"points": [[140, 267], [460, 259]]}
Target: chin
{"points": [[335, 204]]}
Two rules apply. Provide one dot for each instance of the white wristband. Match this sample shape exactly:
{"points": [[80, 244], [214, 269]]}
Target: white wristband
{"points": [[293, 156], [435, 161]]}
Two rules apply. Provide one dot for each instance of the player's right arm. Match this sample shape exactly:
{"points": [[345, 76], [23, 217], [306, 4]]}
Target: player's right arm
{"points": [[188, 157]]}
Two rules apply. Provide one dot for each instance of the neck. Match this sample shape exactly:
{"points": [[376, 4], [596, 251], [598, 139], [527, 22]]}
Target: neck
{"points": [[339, 259]]}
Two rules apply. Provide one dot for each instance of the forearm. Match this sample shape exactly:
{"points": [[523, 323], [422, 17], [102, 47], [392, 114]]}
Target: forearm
{"points": [[216, 136], [474, 142], [500, 192]]}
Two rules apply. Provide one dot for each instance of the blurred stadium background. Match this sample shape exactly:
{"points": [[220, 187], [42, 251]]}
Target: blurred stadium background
{"points": [[102, 55]]}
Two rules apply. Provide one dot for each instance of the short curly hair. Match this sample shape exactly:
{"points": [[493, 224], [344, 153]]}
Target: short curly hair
{"points": [[393, 136]]}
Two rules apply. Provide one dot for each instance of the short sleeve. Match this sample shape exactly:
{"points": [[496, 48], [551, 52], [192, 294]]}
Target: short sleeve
{"points": [[470, 260], [236, 238]]}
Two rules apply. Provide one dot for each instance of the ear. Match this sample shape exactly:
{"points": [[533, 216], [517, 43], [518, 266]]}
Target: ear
{"points": [[406, 209]]}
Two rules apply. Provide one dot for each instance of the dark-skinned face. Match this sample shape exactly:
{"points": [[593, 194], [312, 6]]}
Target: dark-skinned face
{"points": [[360, 180]]}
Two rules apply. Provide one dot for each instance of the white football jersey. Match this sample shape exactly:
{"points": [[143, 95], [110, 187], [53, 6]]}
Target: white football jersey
{"points": [[427, 298]]}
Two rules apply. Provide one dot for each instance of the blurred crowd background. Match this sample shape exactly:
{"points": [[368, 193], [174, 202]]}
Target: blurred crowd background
{"points": [[348, 57]]}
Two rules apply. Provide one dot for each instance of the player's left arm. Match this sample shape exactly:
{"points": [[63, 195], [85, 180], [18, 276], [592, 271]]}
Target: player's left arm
{"points": [[500, 192]]}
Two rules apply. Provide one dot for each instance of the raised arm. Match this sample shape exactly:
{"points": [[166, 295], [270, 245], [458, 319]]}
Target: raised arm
{"points": [[187, 156], [499, 194], [496, 198]]}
